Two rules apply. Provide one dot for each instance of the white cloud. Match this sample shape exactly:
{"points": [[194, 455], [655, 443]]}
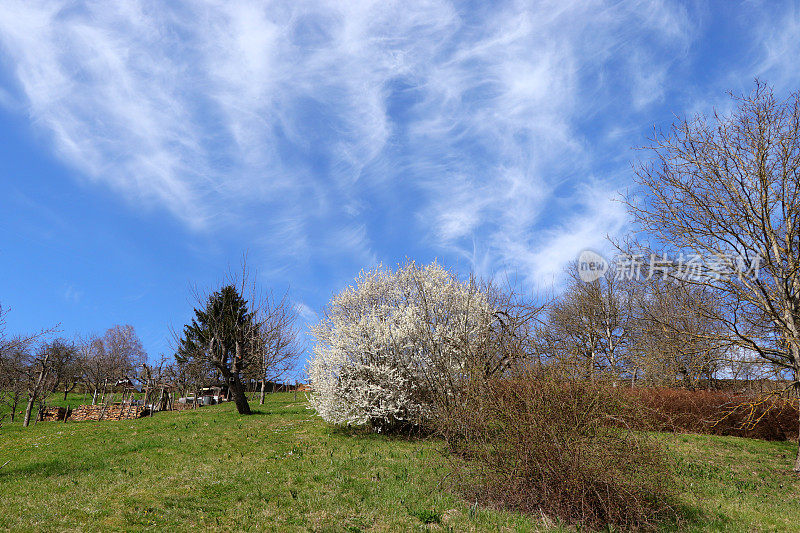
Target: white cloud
{"points": [[306, 313], [283, 109], [72, 295], [595, 216], [778, 40], [529, 79]]}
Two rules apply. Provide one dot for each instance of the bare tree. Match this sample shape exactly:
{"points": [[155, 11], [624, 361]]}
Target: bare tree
{"points": [[674, 337], [751, 373], [13, 387], [10, 343], [154, 379], [3, 313], [38, 375], [726, 187], [124, 348], [106, 359], [193, 368], [21, 373], [94, 363], [66, 368], [276, 343], [589, 326], [8, 371]]}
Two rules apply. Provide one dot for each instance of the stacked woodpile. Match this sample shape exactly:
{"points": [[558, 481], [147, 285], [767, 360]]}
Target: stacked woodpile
{"points": [[52, 414], [83, 413]]}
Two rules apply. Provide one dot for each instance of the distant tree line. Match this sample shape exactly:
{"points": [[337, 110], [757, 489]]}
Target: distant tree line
{"points": [[233, 341], [36, 366], [661, 331]]}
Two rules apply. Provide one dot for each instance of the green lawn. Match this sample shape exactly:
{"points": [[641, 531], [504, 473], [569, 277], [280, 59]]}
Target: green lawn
{"points": [[736, 484], [283, 469]]}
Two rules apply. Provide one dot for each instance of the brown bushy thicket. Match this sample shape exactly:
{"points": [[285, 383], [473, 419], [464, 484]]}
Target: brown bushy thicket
{"points": [[714, 413], [545, 444]]}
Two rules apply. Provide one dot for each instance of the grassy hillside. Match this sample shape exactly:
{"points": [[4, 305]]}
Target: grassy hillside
{"points": [[736, 484], [282, 469]]}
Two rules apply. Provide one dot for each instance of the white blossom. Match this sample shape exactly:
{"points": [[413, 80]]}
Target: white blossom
{"points": [[391, 342]]}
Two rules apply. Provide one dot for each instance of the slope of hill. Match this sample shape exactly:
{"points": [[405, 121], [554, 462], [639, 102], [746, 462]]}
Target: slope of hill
{"points": [[283, 469]]}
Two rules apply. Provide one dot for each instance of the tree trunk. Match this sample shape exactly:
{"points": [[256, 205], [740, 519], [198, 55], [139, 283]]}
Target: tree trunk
{"points": [[235, 382], [69, 389], [235, 385], [28, 408], [797, 395], [14, 406], [34, 392], [263, 391]]}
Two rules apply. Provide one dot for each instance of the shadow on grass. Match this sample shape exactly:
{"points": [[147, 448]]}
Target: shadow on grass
{"points": [[279, 411], [262, 412], [688, 518], [367, 433], [51, 468]]}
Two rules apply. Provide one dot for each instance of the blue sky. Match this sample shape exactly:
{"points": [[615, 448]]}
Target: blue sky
{"points": [[145, 145]]}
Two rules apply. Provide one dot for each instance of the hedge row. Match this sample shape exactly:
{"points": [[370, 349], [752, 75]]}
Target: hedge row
{"points": [[715, 413]]}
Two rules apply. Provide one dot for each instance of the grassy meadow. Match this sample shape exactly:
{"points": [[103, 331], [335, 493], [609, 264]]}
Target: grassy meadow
{"points": [[283, 469]]}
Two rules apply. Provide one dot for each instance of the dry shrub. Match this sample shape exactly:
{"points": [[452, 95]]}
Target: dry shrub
{"points": [[715, 413], [544, 444]]}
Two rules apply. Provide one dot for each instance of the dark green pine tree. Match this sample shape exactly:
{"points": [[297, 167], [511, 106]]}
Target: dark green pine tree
{"points": [[222, 334]]}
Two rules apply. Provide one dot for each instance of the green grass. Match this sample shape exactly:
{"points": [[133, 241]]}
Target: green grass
{"points": [[283, 469], [736, 484], [211, 469]]}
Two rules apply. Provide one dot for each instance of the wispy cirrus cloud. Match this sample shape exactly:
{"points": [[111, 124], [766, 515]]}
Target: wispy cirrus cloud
{"points": [[778, 47], [496, 133], [72, 295]]}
